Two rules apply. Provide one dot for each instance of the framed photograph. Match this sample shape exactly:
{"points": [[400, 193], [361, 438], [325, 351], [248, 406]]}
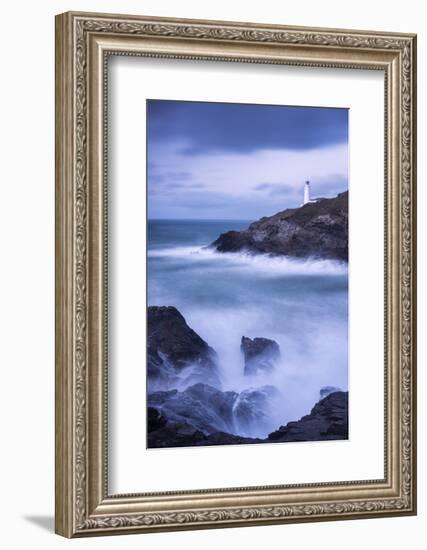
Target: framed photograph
{"points": [[235, 274]]}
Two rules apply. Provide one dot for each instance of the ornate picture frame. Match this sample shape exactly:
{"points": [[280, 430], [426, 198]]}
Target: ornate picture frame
{"points": [[84, 42]]}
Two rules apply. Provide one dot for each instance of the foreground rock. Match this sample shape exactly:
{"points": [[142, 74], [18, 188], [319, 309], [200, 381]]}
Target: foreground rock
{"points": [[193, 417], [209, 410], [155, 420], [328, 420], [260, 354], [204, 407], [176, 354], [314, 230], [173, 425], [176, 434]]}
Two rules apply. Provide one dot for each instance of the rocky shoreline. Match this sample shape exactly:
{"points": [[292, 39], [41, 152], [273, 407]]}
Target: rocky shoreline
{"points": [[186, 405], [318, 230], [326, 421]]}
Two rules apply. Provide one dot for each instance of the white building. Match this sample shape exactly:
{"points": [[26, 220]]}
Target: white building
{"points": [[307, 194]]}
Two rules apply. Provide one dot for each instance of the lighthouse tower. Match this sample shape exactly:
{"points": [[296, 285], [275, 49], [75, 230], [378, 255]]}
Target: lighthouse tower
{"points": [[306, 192]]}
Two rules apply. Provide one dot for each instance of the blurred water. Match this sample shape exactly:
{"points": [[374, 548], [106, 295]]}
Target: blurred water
{"points": [[300, 304]]}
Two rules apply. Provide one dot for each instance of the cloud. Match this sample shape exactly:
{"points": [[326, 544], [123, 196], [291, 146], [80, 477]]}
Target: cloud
{"points": [[159, 175], [205, 127], [241, 186], [275, 188], [240, 182], [185, 185]]}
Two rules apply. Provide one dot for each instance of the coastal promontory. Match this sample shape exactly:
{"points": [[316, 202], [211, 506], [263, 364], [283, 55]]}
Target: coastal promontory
{"points": [[318, 229]]}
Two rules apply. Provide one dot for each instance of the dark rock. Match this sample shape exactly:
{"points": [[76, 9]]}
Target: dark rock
{"points": [[326, 390], [183, 435], [155, 420], [260, 354], [317, 230], [177, 356], [233, 241], [328, 420], [159, 397], [201, 406], [220, 438], [175, 434], [205, 410], [179, 420]]}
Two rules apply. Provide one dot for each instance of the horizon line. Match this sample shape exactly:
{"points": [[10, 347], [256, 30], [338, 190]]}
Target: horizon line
{"points": [[201, 219]]}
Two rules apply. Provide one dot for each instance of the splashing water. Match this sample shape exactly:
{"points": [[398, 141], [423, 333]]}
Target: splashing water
{"points": [[301, 304]]}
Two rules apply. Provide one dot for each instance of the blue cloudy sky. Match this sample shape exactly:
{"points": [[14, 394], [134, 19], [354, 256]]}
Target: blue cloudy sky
{"points": [[237, 161]]}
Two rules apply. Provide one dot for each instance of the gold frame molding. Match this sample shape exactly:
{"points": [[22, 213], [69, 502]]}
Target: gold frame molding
{"points": [[83, 43]]}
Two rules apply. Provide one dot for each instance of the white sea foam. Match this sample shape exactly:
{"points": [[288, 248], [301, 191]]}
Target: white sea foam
{"points": [[301, 304], [268, 265], [313, 354]]}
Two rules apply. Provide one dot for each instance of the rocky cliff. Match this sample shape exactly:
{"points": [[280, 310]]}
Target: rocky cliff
{"points": [[317, 230], [176, 354]]}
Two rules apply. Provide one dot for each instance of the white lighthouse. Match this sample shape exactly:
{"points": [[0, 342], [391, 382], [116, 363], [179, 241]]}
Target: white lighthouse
{"points": [[306, 192], [307, 198]]}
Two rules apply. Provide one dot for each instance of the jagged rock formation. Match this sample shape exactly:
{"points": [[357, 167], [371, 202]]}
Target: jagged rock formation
{"points": [[199, 413], [317, 230], [208, 410], [326, 390], [328, 420], [175, 434], [155, 420], [204, 407], [176, 354], [260, 354]]}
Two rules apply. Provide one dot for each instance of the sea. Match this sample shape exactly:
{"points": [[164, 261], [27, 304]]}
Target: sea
{"points": [[301, 304]]}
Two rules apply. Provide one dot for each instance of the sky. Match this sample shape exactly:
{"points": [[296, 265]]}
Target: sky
{"points": [[240, 161]]}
